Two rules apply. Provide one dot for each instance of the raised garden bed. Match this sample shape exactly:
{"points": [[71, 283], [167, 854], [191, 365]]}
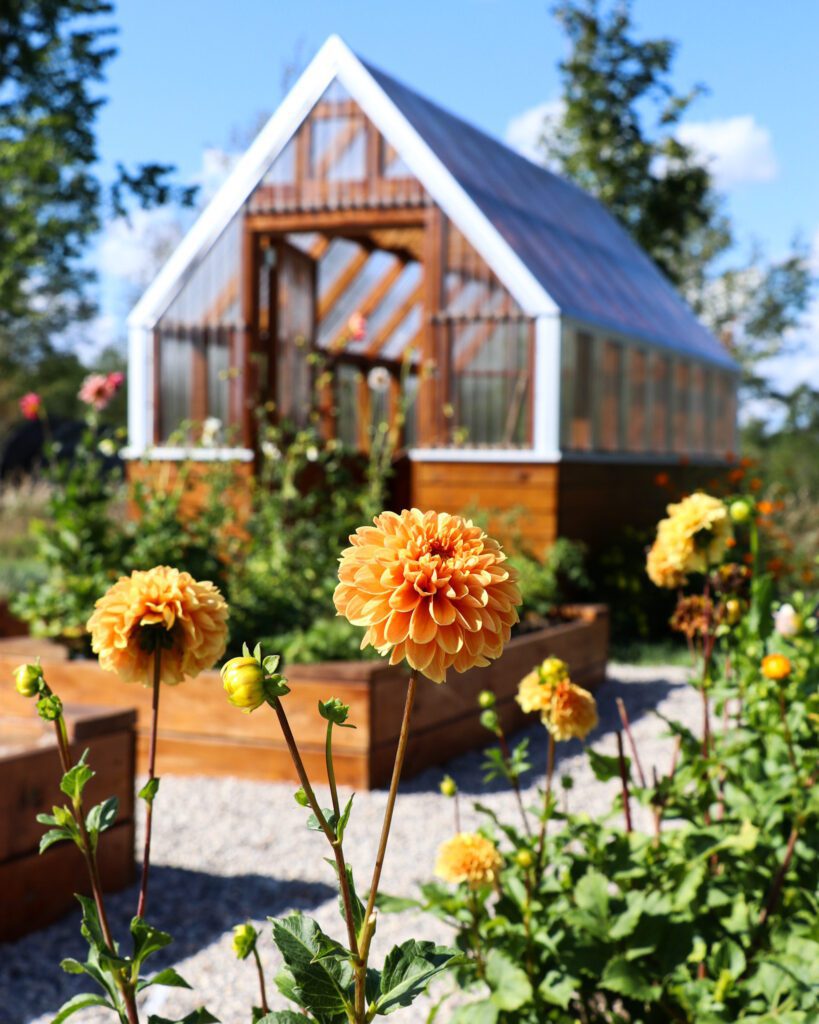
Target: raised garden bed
{"points": [[200, 733], [34, 889]]}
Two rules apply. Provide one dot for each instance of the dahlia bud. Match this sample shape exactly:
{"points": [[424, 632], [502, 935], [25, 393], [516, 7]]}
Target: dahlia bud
{"points": [[27, 679], [243, 680], [740, 511], [486, 699], [490, 720], [244, 940], [524, 859], [50, 707], [448, 786]]}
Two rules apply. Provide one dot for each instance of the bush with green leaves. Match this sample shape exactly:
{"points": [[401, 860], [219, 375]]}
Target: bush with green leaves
{"points": [[709, 917]]}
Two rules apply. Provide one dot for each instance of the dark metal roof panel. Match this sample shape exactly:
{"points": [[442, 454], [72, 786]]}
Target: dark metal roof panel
{"points": [[584, 259]]}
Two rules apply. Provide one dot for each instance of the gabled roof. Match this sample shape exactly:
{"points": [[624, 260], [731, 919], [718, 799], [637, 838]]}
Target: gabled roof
{"points": [[553, 246]]}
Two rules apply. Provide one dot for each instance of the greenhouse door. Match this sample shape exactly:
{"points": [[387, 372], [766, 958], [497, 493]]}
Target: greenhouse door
{"points": [[295, 334]]}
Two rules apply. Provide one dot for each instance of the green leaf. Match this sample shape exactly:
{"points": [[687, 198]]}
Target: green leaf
{"points": [[282, 1017], [558, 989], [395, 904], [605, 766], [301, 797], [321, 986], [90, 927], [54, 835], [330, 818], [357, 905], [626, 979], [510, 986], [592, 894], [200, 1016], [102, 816], [149, 791], [147, 939], [484, 1012], [80, 1002], [408, 969], [345, 817], [169, 978], [75, 779]]}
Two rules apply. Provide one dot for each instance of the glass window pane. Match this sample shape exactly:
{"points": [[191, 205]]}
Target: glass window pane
{"points": [[636, 413], [581, 427], [610, 439], [175, 378], [217, 356], [661, 404], [682, 400]]}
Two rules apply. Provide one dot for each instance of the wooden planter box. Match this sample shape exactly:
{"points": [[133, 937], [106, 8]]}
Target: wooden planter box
{"points": [[200, 733], [34, 889]]}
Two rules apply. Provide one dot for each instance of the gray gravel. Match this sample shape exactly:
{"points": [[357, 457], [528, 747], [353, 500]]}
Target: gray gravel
{"points": [[227, 850]]}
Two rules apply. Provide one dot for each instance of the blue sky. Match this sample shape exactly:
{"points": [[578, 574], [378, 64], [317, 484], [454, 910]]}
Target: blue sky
{"points": [[189, 74]]}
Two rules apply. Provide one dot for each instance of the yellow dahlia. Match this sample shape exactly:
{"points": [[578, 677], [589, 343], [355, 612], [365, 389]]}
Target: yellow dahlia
{"points": [[536, 688], [162, 609], [572, 713], [429, 587], [468, 857], [665, 564], [705, 522], [776, 667]]}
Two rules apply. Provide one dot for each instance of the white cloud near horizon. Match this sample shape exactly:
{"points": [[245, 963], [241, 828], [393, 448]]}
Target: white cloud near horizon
{"points": [[525, 130]]}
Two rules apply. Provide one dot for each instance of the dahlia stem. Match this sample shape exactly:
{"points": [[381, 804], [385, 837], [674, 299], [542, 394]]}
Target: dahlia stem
{"points": [[149, 815], [90, 858], [368, 926], [263, 992], [331, 774], [457, 813], [512, 775], [621, 707], [787, 731], [550, 770], [330, 835], [624, 780], [779, 880]]}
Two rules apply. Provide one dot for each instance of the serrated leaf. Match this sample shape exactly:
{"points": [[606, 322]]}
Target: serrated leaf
{"points": [[626, 979], [80, 1002], [322, 986], [557, 989], [168, 978], [592, 894], [407, 971], [76, 779], [511, 988]]}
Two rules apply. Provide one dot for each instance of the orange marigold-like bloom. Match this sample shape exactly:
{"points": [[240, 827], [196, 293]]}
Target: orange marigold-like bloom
{"points": [[536, 688], [125, 627], [430, 587], [468, 857], [765, 508], [573, 712], [776, 666]]}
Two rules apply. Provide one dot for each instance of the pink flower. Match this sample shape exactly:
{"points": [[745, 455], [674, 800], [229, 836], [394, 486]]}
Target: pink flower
{"points": [[98, 389], [357, 326], [30, 405]]}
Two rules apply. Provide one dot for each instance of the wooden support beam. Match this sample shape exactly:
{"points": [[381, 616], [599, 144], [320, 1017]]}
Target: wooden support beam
{"points": [[357, 221], [337, 148], [395, 319], [319, 247], [199, 374], [223, 301], [430, 393], [367, 307], [247, 341], [342, 282]]}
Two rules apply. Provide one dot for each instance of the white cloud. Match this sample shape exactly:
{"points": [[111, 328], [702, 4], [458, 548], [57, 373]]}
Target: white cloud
{"points": [[132, 249], [524, 130], [738, 150]]}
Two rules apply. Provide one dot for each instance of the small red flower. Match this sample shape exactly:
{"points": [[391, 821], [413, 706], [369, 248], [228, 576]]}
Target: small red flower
{"points": [[30, 405]]}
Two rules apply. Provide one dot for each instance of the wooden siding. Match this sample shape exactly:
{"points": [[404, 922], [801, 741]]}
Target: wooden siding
{"points": [[519, 499]]}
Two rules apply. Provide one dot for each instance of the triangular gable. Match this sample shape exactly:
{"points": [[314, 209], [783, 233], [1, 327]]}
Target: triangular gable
{"points": [[336, 61]]}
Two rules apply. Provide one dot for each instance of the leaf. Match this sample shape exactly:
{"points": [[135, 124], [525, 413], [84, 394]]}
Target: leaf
{"points": [[395, 904], [313, 822], [90, 927], [558, 989], [54, 835], [357, 905], [102, 816], [80, 1002], [510, 986], [592, 894], [484, 1012], [200, 1016], [282, 1017], [626, 979], [149, 791], [301, 797], [605, 766], [147, 939], [169, 978], [321, 986], [345, 817], [75, 779], [408, 969]]}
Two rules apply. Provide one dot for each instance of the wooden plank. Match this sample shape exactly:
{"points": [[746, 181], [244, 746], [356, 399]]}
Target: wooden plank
{"points": [[487, 497], [31, 786], [394, 320], [337, 220], [342, 282], [36, 890], [430, 398], [510, 474]]}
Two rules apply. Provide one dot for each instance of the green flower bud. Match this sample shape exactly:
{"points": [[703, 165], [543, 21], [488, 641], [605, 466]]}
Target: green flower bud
{"points": [[486, 699], [524, 859], [244, 940], [740, 511], [243, 680], [448, 786], [27, 679], [490, 720], [50, 707]]}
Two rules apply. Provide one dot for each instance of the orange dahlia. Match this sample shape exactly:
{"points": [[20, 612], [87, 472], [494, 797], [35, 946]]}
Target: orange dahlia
{"points": [[536, 689], [776, 667], [431, 588], [162, 609], [572, 713], [468, 857]]}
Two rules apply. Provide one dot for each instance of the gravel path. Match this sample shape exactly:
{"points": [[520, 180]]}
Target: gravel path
{"points": [[226, 851]]}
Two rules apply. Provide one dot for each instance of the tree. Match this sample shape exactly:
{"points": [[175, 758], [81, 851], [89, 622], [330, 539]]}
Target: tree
{"points": [[618, 139], [53, 56]]}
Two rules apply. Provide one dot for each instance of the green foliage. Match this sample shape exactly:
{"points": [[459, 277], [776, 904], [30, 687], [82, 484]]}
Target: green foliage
{"points": [[560, 575], [618, 138]]}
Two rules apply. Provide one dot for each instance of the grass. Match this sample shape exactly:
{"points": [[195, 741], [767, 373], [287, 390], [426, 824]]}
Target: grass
{"points": [[649, 652]]}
